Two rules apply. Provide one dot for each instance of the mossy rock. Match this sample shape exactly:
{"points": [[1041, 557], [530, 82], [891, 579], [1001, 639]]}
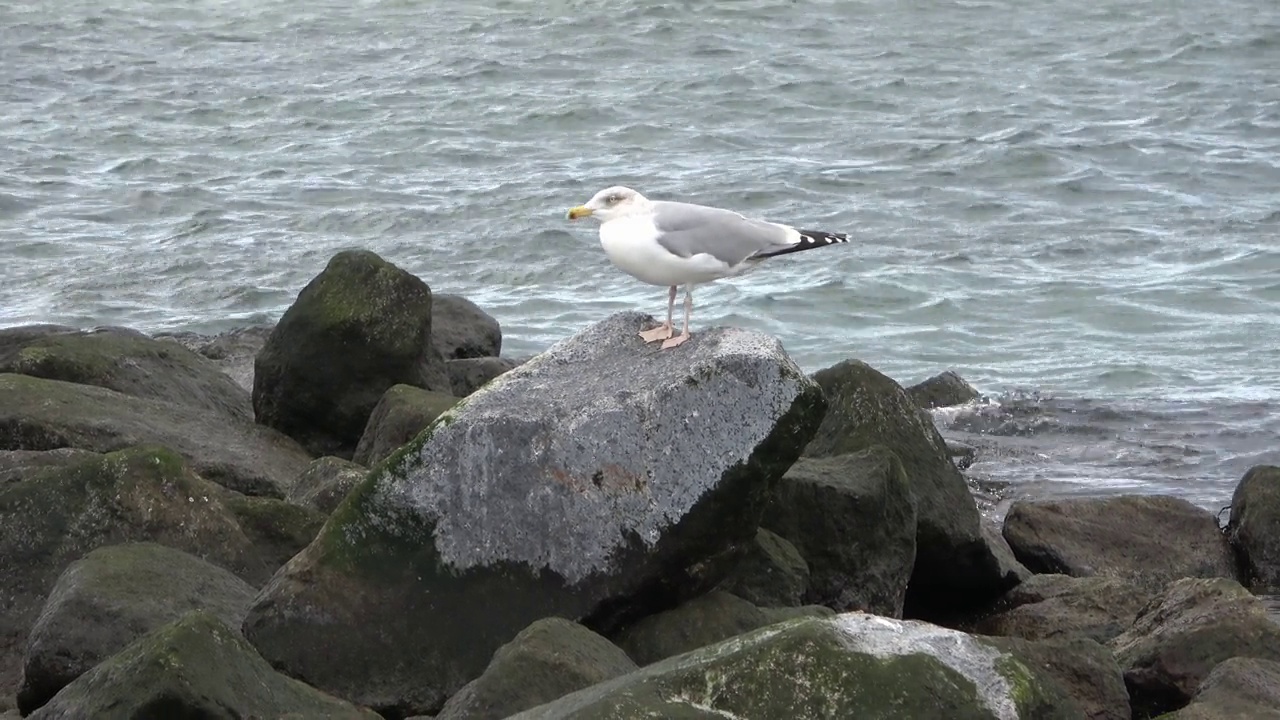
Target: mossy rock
{"points": [[113, 596], [402, 413], [326, 482], [195, 667], [1060, 606], [278, 530], [1239, 688], [460, 329], [131, 363], [359, 327], [1254, 527], [771, 573], [849, 666], [58, 515]]}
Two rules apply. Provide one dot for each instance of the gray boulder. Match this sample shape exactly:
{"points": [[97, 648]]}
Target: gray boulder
{"points": [[771, 573], [848, 666], [359, 327], [1182, 635], [944, 390], [278, 529], [955, 567], [1060, 606], [232, 351], [1237, 689], [1083, 668], [1150, 540], [853, 518], [1254, 527], [460, 329], [16, 465], [59, 514], [470, 374], [39, 414], [326, 482], [547, 660], [195, 667], [113, 596], [402, 413], [602, 480], [128, 362]]}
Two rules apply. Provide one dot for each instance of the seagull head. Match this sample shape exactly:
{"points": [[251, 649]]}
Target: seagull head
{"points": [[611, 203]]}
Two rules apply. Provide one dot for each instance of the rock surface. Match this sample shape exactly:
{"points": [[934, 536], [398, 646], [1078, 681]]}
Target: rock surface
{"points": [[943, 390], [1150, 540], [326, 482], [627, 479], [849, 666], [402, 413], [1182, 635], [470, 374], [853, 519], [1237, 689], [771, 573], [547, 660], [195, 667], [359, 327], [954, 565], [60, 514], [1054, 606], [1084, 669], [113, 596], [277, 529], [128, 362], [16, 465], [460, 329], [232, 351], [1254, 527], [39, 414]]}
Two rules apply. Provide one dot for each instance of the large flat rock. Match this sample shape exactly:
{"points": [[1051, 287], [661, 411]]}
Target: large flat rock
{"points": [[603, 480]]}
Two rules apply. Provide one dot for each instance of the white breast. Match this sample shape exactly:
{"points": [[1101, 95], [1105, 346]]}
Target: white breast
{"points": [[630, 244]]}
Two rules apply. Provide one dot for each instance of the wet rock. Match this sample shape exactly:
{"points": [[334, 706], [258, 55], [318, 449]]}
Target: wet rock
{"points": [[326, 483], [58, 515], [955, 567], [17, 465], [1083, 668], [961, 454], [1055, 606], [771, 573], [113, 596], [626, 480], [39, 414], [1237, 689], [278, 529], [547, 660], [359, 327], [232, 351], [195, 667], [1181, 635], [1254, 527], [853, 519], [400, 415], [460, 329], [130, 363], [848, 666], [944, 390], [1149, 540], [470, 374]]}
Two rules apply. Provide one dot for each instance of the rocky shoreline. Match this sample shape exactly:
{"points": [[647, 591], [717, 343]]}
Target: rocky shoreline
{"points": [[366, 511]]}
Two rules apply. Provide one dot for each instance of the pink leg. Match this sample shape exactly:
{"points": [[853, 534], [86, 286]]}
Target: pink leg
{"points": [[663, 331], [688, 310]]}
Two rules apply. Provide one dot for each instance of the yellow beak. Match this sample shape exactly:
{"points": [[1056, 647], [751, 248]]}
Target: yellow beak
{"points": [[579, 212]]}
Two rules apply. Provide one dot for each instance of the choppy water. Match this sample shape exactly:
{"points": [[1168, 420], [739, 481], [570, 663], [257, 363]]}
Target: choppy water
{"points": [[1080, 201]]}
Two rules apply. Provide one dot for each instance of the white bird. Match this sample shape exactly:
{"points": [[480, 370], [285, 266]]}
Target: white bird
{"points": [[675, 243]]}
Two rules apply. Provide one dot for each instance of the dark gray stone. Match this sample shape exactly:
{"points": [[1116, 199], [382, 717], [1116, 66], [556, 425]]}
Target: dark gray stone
{"points": [[326, 483], [17, 465], [278, 529], [1182, 635], [1149, 540], [853, 519], [232, 351], [359, 327], [944, 390], [460, 329], [113, 596], [402, 413], [470, 374], [1254, 527], [601, 481], [1082, 668], [547, 660], [195, 667], [1237, 689], [39, 414], [772, 573], [1060, 606]]}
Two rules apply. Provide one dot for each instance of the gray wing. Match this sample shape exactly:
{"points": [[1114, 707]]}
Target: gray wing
{"points": [[687, 230]]}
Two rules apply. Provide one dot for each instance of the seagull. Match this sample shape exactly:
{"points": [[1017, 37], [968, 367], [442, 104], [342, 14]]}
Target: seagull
{"points": [[675, 243]]}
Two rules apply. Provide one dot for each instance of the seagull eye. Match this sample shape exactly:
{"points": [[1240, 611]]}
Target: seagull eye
{"points": [[613, 199]]}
